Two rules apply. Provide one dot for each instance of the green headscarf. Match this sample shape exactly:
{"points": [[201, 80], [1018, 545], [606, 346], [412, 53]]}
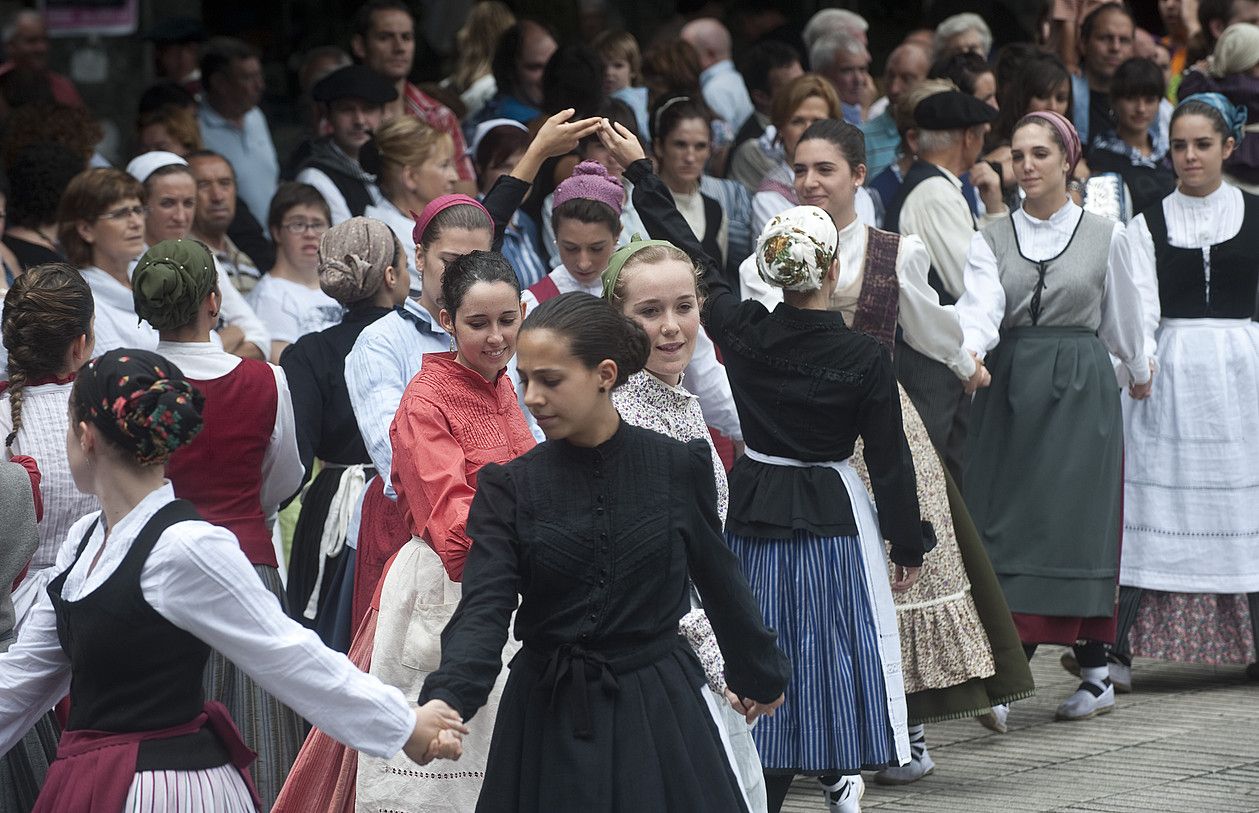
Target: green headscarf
{"points": [[621, 256], [171, 281]]}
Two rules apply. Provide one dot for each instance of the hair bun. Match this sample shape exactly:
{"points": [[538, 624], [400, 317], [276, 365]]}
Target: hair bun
{"points": [[160, 419]]}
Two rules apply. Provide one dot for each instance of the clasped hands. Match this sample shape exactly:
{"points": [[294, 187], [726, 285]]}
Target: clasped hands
{"points": [[438, 734], [978, 379], [750, 709]]}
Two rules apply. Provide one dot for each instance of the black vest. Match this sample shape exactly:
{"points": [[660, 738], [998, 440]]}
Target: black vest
{"points": [[356, 194], [918, 172], [131, 669], [1183, 289]]}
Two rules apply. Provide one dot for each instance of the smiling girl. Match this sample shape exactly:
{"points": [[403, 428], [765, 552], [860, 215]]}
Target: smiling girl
{"points": [[1190, 499]]}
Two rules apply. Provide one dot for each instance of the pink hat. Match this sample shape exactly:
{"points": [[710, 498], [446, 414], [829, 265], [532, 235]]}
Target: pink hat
{"points": [[590, 180], [437, 205]]}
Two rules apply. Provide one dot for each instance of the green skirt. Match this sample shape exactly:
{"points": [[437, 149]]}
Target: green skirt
{"points": [[1043, 474]]}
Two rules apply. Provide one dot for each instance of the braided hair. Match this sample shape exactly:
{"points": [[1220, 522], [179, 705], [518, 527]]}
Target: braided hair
{"points": [[45, 312]]}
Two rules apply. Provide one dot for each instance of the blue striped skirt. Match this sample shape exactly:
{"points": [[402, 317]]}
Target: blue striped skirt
{"points": [[812, 591]]}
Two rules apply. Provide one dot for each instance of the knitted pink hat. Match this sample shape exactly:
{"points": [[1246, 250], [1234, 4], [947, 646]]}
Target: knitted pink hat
{"points": [[592, 182]]}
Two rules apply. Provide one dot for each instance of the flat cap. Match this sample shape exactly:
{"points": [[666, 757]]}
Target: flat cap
{"points": [[354, 82], [952, 110]]}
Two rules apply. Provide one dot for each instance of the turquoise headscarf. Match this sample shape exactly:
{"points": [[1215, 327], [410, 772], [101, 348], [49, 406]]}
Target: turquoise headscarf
{"points": [[1234, 116]]}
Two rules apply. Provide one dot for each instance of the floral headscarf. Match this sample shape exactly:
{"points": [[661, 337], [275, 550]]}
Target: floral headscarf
{"points": [[796, 248]]}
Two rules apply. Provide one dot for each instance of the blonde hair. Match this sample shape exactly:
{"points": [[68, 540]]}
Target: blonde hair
{"points": [[621, 45], [406, 142], [476, 41], [653, 255]]}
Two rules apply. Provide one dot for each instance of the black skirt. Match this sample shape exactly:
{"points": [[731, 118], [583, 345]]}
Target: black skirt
{"points": [[304, 556]]}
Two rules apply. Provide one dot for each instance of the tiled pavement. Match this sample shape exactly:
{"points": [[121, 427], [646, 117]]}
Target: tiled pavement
{"points": [[1184, 742]]}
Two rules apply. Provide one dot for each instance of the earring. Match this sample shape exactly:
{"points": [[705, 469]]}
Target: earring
{"points": [[603, 389]]}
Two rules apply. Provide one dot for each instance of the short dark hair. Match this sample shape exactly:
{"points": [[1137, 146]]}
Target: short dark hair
{"points": [[38, 178], [1095, 16], [756, 63], [595, 331], [498, 145], [293, 194], [204, 153], [469, 269], [220, 53], [845, 137], [165, 94], [962, 69], [1210, 11], [585, 210], [1137, 78], [573, 77], [361, 25]]}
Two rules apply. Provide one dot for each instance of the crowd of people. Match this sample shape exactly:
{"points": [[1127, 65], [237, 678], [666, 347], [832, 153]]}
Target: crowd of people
{"points": [[617, 426]]}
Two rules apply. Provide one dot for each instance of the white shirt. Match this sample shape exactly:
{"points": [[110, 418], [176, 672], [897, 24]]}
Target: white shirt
{"points": [[982, 306], [281, 465], [704, 375], [403, 228], [936, 210], [1192, 222], [929, 327], [338, 209], [766, 204], [291, 310], [117, 324], [197, 578]]}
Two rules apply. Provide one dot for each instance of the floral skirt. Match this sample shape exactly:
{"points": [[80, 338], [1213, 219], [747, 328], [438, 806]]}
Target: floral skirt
{"points": [[1208, 628]]}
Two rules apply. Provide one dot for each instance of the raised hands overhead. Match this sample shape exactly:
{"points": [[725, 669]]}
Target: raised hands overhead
{"points": [[621, 143], [558, 136]]}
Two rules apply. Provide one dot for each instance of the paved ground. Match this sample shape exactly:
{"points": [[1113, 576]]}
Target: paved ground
{"points": [[1184, 741]]}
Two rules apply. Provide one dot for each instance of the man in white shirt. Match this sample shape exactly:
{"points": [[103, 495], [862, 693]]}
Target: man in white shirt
{"points": [[353, 100], [720, 83]]}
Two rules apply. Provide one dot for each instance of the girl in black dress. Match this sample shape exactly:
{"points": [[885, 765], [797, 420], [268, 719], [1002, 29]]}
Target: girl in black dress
{"points": [[597, 530]]}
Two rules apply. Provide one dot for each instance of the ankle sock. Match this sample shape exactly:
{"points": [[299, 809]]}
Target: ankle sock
{"points": [[1097, 675], [917, 741]]}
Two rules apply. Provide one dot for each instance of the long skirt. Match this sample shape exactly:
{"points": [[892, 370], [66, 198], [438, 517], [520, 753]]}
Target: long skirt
{"points": [[812, 590], [23, 767], [959, 649], [417, 600], [1044, 478], [1208, 628], [269, 727]]}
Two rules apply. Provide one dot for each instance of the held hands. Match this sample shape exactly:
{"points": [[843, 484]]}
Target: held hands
{"points": [[1139, 392], [621, 143], [750, 709], [437, 734], [904, 578], [978, 379]]}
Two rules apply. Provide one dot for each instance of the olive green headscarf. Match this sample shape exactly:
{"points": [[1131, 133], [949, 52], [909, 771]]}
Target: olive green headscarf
{"points": [[171, 281], [621, 256]]}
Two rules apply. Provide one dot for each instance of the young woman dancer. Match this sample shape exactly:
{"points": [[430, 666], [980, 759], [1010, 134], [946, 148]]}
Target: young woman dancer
{"points": [[236, 472], [1190, 499], [145, 589], [816, 563], [625, 728], [1045, 301]]}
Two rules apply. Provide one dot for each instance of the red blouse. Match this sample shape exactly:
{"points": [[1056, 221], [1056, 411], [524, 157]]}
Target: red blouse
{"points": [[451, 422]]}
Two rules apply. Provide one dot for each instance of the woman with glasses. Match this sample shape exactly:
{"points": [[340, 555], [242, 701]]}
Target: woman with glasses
{"points": [[288, 298], [102, 232]]}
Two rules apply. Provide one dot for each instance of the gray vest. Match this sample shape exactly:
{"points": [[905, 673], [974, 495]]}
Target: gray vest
{"points": [[17, 517], [1063, 291]]}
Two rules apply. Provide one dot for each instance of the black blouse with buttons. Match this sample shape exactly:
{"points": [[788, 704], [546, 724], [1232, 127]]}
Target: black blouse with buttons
{"points": [[598, 543]]}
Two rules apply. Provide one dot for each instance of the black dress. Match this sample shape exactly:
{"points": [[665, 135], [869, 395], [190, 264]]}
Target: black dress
{"points": [[602, 710]]}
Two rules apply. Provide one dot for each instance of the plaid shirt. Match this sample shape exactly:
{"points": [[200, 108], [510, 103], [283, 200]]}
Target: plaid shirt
{"points": [[440, 117]]}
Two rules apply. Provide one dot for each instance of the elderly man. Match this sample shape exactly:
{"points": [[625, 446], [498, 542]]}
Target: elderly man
{"points": [[906, 66], [962, 32], [721, 85], [845, 62], [834, 21], [231, 123], [212, 220], [26, 49], [951, 126], [384, 40], [353, 99]]}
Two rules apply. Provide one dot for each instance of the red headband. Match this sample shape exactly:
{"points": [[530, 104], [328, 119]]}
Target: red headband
{"points": [[438, 205]]}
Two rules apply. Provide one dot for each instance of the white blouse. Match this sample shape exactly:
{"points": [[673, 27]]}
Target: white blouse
{"points": [[929, 327], [117, 324], [1191, 223], [982, 306], [197, 578]]}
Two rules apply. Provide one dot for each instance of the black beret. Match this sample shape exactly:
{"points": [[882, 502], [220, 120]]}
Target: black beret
{"points": [[952, 110], [354, 82], [176, 31]]}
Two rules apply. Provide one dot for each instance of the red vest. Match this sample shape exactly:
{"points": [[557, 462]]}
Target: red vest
{"points": [[220, 472], [544, 289]]}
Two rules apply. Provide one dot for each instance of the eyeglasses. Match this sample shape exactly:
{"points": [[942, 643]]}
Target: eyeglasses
{"points": [[299, 226], [124, 212]]}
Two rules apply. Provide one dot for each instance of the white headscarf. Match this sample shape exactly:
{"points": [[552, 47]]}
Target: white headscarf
{"points": [[796, 248]]}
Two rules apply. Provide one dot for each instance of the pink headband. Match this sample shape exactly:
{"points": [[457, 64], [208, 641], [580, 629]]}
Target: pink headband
{"points": [[438, 205], [1066, 132]]}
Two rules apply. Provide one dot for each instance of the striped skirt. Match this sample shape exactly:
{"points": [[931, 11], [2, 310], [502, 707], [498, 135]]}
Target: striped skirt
{"points": [[268, 726], [214, 790], [23, 767], [812, 591]]}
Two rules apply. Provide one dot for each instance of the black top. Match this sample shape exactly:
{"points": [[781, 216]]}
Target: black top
{"points": [[598, 543], [1101, 120], [1184, 292], [31, 254], [806, 388], [1147, 185], [248, 235], [918, 172], [322, 414]]}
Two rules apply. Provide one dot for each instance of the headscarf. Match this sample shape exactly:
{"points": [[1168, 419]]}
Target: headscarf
{"points": [[353, 256], [438, 205], [1234, 117], [796, 248], [1236, 51], [590, 180], [621, 256], [170, 281], [140, 401], [1066, 134]]}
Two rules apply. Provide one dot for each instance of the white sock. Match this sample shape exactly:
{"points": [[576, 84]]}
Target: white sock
{"points": [[1097, 675]]}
